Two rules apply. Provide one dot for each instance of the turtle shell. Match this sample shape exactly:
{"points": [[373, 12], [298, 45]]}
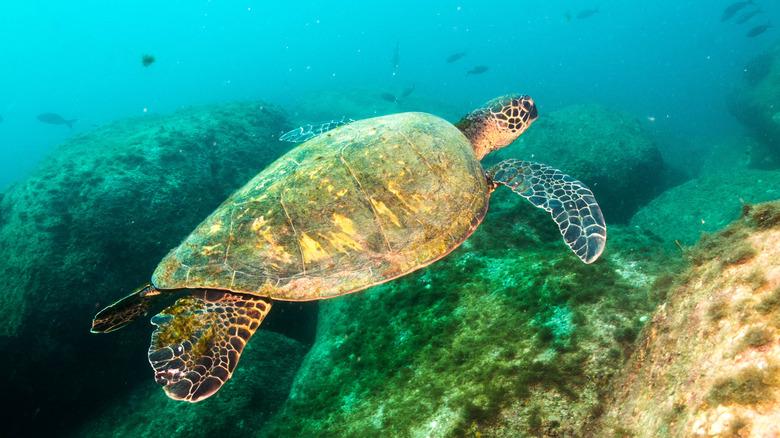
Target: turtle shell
{"points": [[351, 208]]}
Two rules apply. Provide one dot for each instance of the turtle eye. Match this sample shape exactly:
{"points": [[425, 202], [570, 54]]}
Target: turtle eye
{"points": [[529, 107]]}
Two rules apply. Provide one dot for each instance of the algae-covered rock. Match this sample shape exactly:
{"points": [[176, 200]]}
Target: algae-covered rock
{"points": [[706, 204], [753, 101], [708, 363], [508, 335], [604, 148], [90, 224], [256, 390]]}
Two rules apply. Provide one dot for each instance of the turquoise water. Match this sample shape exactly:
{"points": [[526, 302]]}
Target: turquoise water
{"points": [[96, 219], [667, 62]]}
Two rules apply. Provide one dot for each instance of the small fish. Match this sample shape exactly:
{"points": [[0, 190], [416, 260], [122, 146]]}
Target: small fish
{"points": [[55, 119], [748, 15], [456, 56], [587, 13], [477, 70], [758, 30], [734, 8], [407, 92], [147, 60], [396, 55], [388, 97]]}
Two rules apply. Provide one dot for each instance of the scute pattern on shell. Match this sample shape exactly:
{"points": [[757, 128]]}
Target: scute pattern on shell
{"points": [[354, 207]]}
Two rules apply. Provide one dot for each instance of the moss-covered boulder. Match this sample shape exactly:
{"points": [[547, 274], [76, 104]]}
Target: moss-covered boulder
{"points": [[706, 204], [753, 102], [604, 148], [89, 225], [509, 335], [708, 363]]}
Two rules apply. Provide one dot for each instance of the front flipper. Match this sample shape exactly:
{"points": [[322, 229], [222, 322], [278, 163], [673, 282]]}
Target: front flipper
{"points": [[129, 308], [199, 339], [312, 130], [570, 202]]}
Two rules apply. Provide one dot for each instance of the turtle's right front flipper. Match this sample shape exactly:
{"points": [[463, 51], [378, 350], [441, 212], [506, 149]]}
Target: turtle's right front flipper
{"points": [[570, 202], [307, 132], [129, 308], [199, 340]]}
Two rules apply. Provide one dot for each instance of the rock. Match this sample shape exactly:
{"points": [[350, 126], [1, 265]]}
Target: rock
{"points": [[705, 205], [258, 387], [604, 148], [708, 362], [509, 334], [89, 225], [753, 102]]}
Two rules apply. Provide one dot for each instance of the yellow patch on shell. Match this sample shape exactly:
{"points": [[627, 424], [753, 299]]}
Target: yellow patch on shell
{"points": [[382, 210], [414, 202], [209, 250], [275, 252], [311, 250], [341, 242], [344, 223], [214, 228], [258, 223]]}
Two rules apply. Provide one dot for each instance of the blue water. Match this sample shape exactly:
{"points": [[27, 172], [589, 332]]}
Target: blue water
{"points": [[669, 63]]}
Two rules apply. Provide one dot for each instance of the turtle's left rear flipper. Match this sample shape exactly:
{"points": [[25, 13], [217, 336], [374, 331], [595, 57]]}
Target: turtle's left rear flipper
{"points": [[570, 202], [199, 339], [128, 309]]}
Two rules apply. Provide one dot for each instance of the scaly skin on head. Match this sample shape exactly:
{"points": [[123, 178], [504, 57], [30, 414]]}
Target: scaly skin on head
{"points": [[498, 123]]}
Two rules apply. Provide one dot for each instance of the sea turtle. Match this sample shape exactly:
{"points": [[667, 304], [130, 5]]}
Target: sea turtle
{"points": [[352, 207]]}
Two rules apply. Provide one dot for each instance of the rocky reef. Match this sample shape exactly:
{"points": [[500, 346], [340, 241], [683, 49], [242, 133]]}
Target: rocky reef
{"points": [[753, 102], [606, 149], [509, 335], [89, 226], [259, 386], [708, 362], [706, 204]]}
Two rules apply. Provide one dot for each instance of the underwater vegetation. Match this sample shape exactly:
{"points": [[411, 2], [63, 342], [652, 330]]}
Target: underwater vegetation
{"points": [[509, 335], [88, 225], [707, 362], [506, 335]]}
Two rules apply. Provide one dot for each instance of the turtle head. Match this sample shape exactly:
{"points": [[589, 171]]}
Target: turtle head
{"points": [[498, 122]]}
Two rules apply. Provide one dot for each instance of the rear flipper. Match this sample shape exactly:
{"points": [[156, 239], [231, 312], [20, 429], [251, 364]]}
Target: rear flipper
{"points": [[570, 202], [129, 308], [199, 340]]}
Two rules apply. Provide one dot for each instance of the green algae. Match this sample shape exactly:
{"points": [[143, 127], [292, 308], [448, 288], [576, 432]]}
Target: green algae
{"points": [[749, 386], [756, 337], [508, 316], [770, 302], [258, 387], [189, 320], [89, 224]]}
